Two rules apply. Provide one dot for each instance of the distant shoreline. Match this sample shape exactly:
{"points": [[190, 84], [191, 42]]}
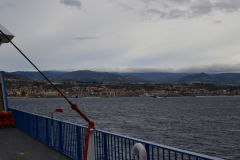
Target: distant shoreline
{"points": [[138, 97]]}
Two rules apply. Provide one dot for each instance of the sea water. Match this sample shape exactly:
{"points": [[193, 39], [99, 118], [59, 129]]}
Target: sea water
{"points": [[208, 125]]}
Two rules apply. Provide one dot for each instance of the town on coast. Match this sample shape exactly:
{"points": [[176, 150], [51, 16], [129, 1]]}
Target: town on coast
{"points": [[40, 88]]}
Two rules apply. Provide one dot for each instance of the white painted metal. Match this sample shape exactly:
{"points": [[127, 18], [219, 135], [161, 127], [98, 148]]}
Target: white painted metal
{"points": [[139, 149], [91, 152]]}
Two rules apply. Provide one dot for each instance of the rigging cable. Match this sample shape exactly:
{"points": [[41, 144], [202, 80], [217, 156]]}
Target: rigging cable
{"points": [[73, 106]]}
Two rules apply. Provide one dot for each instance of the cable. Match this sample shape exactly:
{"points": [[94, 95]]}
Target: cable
{"points": [[73, 106], [35, 67]]}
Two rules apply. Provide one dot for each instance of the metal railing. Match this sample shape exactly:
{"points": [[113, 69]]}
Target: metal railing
{"points": [[68, 138]]}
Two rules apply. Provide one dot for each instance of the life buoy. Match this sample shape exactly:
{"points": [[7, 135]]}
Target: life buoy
{"points": [[139, 149]]}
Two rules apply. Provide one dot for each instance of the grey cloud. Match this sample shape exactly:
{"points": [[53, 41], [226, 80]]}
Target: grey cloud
{"points": [[71, 3], [156, 12], [173, 9], [215, 68], [85, 38], [230, 5], [125, 6], [176, 13], [6, 4], [217, 21], [9, 4], [201, 8]]}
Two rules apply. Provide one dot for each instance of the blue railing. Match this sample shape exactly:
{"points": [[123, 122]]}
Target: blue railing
{"points": [[68, 138]]}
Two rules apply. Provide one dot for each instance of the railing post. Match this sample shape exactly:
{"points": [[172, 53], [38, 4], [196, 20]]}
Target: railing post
{"points": [[105, 150], [79, 143], [36, 127], [60, 136], [148, 151], [47, 133]]}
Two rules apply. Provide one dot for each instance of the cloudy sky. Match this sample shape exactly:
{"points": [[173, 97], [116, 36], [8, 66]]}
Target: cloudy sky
{"points": [[123, 35]]}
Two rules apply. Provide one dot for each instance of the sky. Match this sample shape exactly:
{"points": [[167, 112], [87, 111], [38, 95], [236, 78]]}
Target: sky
{"points": [[123, 36]]}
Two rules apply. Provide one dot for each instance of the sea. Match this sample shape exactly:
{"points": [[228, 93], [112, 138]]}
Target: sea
{"points": [[207, 125]]}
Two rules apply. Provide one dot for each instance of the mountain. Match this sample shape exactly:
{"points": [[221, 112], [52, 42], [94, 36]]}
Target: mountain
{"points": [[91, 76], [197, 78], [223, 78], [82, 75], [36, 75], [14, 76], [155, 77], [158, 77]]}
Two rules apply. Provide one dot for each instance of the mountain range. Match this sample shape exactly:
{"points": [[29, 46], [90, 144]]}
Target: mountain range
{"points": [[150, 77]]}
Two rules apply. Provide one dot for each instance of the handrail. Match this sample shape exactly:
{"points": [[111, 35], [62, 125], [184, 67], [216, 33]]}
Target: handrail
{"points": [[69, 139]]}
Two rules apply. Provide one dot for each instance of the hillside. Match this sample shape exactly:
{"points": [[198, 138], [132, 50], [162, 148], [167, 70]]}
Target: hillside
{"points": [[223, 78], [155, 77], [82, 75], [158, 77]]}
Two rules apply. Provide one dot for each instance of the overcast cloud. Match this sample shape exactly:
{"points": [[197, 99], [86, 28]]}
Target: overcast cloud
{"points": [[123, 35], [172, 9], [71, 3]]}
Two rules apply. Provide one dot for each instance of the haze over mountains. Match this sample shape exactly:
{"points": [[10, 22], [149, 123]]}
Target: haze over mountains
{"points": [[150, 77]]}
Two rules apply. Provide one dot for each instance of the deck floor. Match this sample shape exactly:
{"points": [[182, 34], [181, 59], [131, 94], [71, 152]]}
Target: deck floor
{"points": [[16, 145]]}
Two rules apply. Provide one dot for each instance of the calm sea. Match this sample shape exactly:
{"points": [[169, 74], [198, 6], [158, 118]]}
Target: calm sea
{"points": [[208, 125]]}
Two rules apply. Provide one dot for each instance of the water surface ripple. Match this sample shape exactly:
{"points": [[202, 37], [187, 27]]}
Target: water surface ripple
{"points": [[208, 125]]}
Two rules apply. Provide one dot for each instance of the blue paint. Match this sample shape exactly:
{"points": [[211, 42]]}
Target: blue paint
{"points": [[5, 90], [69, 140]]}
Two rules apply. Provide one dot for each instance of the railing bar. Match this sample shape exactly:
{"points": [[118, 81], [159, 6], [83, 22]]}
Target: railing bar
{"points": [[74, 141], [122, 147], [74, 144], [129, 149], [133, 142], [125, 148], [118, 147], [70, 136], [115, 150], [108, 146], [163, 154], [99, 142], [158, 153], [112, 146], [175, 155], [95, 145], [82, 140], [102, 137], [68, 139], [169, 154], [182, 156], [99, 146], [63, 137], [152, 153]]}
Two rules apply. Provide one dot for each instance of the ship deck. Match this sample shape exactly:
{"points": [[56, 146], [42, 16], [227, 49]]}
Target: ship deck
{"points": [[15, 145]]}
